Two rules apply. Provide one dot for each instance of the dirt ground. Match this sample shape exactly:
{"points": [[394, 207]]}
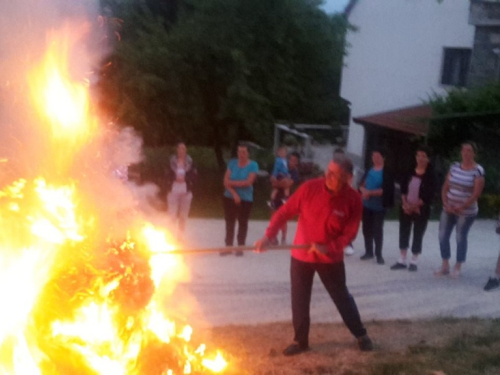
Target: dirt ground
{"points": [[255, 288], [420, 324], [257, 350]]}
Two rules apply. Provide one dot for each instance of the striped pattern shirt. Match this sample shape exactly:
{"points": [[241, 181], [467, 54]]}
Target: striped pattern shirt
{"points": [[461, 186]]}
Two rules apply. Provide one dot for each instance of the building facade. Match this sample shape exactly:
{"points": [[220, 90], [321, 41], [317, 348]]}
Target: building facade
{"points": [[403, 52]]}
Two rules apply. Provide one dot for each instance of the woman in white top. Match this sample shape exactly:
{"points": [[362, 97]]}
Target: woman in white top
{"points": [[181, 176], [461, 190]]}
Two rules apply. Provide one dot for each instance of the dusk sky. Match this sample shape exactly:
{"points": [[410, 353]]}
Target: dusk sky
{"points": [[333, 6]]}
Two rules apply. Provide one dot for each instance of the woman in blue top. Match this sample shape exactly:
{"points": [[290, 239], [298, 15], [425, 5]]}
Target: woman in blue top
{"points": [[238, 196], [377, 191]]}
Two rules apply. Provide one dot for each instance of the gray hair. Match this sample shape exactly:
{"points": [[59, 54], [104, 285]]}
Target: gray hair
{"points": [[343, 162]]}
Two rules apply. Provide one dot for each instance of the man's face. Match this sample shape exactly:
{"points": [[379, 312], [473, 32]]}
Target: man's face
{"points": [[335, 177]]}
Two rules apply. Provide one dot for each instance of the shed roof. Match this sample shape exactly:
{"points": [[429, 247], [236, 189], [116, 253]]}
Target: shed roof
{"points": [[413, 120]]}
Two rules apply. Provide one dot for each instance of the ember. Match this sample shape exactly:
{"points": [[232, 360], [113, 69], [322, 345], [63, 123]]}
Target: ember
{"points": [[84, 275]]}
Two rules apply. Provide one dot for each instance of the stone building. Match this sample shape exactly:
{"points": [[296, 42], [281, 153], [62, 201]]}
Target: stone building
{"points": [[485, 56]]}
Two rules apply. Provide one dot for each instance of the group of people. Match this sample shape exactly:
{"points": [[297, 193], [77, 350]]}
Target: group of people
{"points": [[239, 178], [238, 192], [461, 190], [330, 212]]}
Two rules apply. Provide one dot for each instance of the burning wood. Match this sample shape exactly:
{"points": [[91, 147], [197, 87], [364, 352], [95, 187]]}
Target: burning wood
{"points": [[77, 300]]}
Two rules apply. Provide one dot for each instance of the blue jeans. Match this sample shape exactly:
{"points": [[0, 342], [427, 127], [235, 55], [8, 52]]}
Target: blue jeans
{"points": [[446, 224]]}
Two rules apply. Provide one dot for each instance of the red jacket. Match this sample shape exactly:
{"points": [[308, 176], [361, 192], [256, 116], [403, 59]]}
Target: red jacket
{"points": [[323, 219]]}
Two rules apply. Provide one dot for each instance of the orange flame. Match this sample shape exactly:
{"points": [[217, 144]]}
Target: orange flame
{"points": [[62, 103], [80, 300]]}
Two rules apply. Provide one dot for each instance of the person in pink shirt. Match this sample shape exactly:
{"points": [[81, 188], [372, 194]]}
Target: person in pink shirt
{"points": [[329, 211]]}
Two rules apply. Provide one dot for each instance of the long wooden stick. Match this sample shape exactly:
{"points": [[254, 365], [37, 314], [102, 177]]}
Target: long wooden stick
{"points": [[196, 251]]}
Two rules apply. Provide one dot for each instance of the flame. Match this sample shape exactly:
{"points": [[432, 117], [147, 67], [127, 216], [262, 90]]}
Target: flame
{"points": [[77, 298], [62, 103]]}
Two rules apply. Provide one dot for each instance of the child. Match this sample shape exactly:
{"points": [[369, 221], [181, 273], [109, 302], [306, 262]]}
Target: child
{"points": [[280, 171]]}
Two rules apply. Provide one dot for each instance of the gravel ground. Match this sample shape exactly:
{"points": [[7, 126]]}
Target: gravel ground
{"points": [[255, 288]]}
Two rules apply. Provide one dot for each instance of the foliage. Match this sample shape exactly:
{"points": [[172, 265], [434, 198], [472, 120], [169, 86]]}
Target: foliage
{"points": [[223, 71], [469, 115]]}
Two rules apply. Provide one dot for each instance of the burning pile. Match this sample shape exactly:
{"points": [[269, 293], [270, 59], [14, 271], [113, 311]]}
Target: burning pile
{"points": [[84, 277]]}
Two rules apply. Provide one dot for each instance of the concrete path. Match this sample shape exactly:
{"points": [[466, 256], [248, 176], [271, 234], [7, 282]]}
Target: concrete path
{"points": [[255, 288]]}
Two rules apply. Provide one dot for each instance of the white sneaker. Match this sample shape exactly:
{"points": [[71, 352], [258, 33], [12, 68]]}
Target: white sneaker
{"points": [[349, 250]]}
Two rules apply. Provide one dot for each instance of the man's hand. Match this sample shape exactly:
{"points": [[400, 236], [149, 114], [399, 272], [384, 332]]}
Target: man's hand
{"points": [[261, 244], [318, 249]]}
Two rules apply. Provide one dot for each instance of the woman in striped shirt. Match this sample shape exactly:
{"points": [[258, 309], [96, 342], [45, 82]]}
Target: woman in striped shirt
{"points": [[461, 190]]}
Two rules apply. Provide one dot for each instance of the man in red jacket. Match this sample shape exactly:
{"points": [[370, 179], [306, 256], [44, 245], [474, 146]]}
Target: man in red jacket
{"points": [[329, 215]]}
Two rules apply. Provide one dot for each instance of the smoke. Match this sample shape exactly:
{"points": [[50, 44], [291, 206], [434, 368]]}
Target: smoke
{"points": [[27, 28], [100, 167], [24, 29]]}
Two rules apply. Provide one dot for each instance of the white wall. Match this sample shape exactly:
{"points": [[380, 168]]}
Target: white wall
{"points": [[395, 57]]}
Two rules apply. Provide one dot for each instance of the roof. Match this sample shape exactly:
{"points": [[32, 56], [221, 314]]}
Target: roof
{"points": [[413, 120]]}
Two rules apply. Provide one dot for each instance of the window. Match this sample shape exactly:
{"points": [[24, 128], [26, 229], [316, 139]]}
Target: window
{"points": [[455, 66]]}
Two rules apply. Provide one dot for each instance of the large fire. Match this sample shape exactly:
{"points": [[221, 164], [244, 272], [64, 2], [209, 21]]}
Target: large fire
{"points": [[84, 285]]}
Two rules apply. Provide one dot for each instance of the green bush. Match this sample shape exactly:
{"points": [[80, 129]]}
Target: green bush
{"points": [[265, 158], [489, 205]]}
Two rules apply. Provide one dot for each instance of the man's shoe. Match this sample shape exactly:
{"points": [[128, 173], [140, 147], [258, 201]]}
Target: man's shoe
{"points": [[493, 283], [365, 344], [399, 266], [224, 253], [413, 267], [294, 349], [349, 250], [380, 260], [366, 257], [238, 253]]}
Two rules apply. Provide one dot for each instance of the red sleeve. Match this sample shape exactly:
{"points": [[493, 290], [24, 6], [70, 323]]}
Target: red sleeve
{"points": [[286, 212], [351, 226]]}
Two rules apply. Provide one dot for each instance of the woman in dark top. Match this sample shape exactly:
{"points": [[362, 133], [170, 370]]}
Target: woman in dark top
{"points": [[417, 193]]}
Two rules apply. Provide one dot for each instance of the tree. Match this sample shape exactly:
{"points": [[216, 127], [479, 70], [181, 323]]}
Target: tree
{"points": [[225, 70], [469, 115]]}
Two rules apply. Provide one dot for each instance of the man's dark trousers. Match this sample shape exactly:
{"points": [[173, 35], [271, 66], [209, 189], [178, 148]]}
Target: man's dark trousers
{"points": [[333, 278]]}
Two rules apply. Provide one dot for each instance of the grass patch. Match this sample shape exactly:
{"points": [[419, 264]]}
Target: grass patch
{"points": [[429, 347]]}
